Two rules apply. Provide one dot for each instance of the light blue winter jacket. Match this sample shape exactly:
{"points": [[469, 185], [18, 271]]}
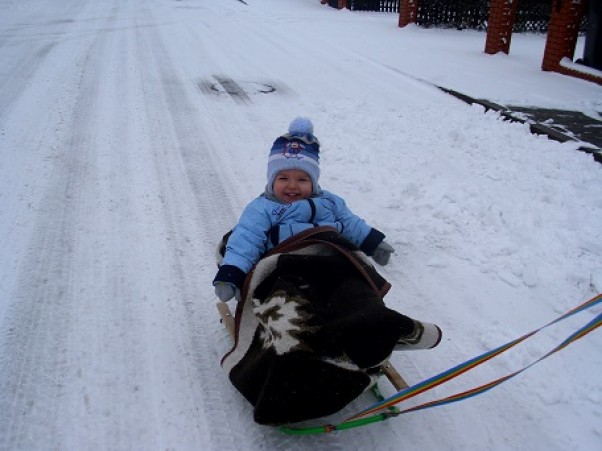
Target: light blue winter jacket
{"points": [[265, 222]]}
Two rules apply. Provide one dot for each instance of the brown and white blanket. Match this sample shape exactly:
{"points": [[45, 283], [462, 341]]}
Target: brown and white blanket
{"points": [[310, 329]]}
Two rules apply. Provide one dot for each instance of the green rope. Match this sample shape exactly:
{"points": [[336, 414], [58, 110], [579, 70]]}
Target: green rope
{"points": [[325, 428]]}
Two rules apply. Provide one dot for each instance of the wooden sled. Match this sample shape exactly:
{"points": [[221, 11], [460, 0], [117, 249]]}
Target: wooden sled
{"points": [[387, 368]]}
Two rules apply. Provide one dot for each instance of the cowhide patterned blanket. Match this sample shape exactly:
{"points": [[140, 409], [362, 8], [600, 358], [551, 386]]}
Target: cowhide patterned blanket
{"points": [[311, 329]]}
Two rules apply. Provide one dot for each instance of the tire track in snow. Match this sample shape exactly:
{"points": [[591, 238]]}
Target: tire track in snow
{"points": [[40, 314], [60, 366], [23, 56], [190, 186], [19, 77], [47, 320]]}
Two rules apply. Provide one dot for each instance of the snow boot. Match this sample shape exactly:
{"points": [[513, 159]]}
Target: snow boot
{"points": [[424, 336]]}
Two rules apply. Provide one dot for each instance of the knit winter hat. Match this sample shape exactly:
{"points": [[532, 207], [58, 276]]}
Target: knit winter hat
{"points": [[298, 149]]}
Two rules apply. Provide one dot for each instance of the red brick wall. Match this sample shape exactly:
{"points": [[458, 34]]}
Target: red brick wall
{"points": [[340, 4], [584, 76], [562, 32], [562, 38], [499, 29], [408, 10]]}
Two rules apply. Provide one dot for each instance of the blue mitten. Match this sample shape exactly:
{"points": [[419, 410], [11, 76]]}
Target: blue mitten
{"points": [[382, 253], [226, 291]]}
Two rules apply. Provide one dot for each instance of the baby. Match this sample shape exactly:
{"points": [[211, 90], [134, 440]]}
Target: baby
{"points": [[292, 202]]}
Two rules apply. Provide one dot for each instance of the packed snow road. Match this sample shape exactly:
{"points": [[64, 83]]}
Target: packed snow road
{"points": [[133, 132]]}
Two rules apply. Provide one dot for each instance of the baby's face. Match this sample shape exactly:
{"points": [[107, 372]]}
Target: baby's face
{"points": [[292, 185]]}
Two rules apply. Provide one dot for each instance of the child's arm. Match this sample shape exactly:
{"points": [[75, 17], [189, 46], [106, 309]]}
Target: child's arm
{"points": [[245, 246], [370, 240]]}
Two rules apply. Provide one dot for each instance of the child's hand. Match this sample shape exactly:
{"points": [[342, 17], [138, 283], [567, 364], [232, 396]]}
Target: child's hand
{"points": [[382, 253], [226, 291]]}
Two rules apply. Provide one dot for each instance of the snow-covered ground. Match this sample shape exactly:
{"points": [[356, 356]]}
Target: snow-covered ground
{"points": [[132, 134]]}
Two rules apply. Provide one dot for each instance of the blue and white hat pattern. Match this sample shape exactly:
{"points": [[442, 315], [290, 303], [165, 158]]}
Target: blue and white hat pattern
{"points": [[298, 149]]}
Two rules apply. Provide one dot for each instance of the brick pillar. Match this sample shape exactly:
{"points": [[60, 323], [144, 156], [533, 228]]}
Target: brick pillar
{"points": [[408, 11], [340, 3], [499, 29], [562, 32]]}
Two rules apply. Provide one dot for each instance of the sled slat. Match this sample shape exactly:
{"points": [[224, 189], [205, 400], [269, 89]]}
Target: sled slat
{"points": [[387, 368], [394, 377], [227, 317]]}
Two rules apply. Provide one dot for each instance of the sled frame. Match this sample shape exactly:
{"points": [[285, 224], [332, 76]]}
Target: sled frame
{"points": [[387, 368]]}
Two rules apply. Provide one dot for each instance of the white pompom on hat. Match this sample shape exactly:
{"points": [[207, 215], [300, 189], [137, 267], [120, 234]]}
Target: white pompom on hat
{"points": [[301, 126], [298, 149]]}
